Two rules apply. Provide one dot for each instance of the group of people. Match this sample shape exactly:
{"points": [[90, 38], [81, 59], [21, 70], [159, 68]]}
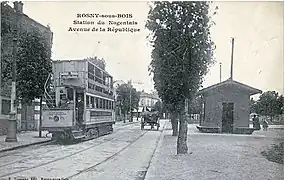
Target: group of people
{"points": [[256, 123]]}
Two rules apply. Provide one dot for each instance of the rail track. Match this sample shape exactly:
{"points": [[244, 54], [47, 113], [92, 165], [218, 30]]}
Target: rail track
{"points": [[104, 138], [121, 150]]}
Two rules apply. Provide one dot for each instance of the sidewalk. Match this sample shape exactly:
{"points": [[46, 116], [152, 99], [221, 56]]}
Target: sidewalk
{"points": [[24, 139], [222, 156]]}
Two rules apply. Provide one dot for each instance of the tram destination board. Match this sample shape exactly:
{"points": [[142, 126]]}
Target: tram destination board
{"points": [[100, 113]]}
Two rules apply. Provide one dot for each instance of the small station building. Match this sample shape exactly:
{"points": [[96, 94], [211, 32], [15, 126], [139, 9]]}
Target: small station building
{"points": [[226, 107]]}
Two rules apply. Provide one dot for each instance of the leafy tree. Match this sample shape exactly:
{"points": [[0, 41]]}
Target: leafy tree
{"points": [[252, 106], [123, 99], [269, 104], [99, 62], [33, 67], [33, 63], [195, 106], [182, 52]]}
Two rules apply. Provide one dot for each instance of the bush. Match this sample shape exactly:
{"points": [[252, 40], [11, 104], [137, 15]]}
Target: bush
{"points": [[275, 153]]}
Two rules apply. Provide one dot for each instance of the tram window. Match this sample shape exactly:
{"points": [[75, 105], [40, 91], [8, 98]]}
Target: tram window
{"points": [[104, 104], [70, 94], [107, 104], [92, 102], [112, 105], [97, 102], [87, 101], [101, 103]]}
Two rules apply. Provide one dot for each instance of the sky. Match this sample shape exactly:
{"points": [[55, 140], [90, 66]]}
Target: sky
{"points": [[256, 26]]}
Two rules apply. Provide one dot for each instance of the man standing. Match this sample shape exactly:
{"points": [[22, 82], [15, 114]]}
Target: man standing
{"points": [[256, 123], [80, 106]]}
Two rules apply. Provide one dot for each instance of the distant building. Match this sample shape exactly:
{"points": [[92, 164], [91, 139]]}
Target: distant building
{"points": [[226, 107], [147, 100], [25, 24]]}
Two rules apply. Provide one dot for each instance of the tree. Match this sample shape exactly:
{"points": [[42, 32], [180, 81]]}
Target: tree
{"points": [[33, 58], [123, 99], [269, 104], [252, 106], [33, 67], [195, 106], [182, 53]]}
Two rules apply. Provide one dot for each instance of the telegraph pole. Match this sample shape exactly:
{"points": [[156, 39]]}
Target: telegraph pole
{"points": [[220, 72], [130, 107], [232, 59], [12, 128]]}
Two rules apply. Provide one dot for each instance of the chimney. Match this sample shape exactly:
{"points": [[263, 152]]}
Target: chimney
{"points": [[18, 6]]}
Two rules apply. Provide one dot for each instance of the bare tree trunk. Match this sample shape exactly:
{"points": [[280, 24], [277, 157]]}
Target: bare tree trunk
{"points": [[40, 115], [182, 136], [174, 122], [124, 118]]}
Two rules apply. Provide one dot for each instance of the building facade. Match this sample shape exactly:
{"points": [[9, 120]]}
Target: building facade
{"points": [[226, 107], [8, 24], [147, 100]]}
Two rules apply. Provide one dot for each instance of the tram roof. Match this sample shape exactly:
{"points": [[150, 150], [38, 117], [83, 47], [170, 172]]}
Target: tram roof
{"points": [[69, 60]]}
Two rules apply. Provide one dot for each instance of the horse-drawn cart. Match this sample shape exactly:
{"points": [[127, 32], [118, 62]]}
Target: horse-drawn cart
{"points": [[150, 118]]}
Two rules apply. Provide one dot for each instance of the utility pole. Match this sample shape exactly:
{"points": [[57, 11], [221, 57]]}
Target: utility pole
{"points": [[220, 72], [232, 59], [12, 128], [130, 107]]}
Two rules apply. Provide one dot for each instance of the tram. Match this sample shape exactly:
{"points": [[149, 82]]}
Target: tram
{"points": [[79, 101]]}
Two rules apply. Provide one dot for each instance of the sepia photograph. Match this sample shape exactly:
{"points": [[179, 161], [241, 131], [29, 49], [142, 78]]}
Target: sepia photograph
{"points": [[142, 90]]}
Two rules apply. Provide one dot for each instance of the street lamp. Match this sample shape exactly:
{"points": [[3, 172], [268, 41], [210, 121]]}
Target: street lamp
{"points": [[12, 128]]}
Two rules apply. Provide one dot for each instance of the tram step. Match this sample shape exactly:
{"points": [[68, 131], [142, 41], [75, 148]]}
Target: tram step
{"points": [[79, 137], [78, 134]]}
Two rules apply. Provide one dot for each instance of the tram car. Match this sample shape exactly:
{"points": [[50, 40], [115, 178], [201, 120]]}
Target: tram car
{"points": [[150, 118], [79, 101]]}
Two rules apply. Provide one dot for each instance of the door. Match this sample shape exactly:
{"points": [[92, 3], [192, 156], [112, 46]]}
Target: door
{"points": [[228, 117]]}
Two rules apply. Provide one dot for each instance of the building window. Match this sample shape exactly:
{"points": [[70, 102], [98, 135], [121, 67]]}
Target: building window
{"points": [[6, 107]]}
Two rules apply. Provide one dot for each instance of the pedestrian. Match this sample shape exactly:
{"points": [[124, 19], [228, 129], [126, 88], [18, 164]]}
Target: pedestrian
{"points": [[265, 125], [256, 123]]}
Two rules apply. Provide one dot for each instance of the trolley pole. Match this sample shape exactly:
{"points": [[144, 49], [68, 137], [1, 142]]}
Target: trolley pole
{"points": [[12, 128]]}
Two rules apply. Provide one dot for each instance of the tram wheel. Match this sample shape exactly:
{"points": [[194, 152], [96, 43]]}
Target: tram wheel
{"points": [[95, 132]]}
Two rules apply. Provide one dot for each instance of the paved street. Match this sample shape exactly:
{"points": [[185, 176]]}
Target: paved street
{"points": [[132, 154], [124, 154]]}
